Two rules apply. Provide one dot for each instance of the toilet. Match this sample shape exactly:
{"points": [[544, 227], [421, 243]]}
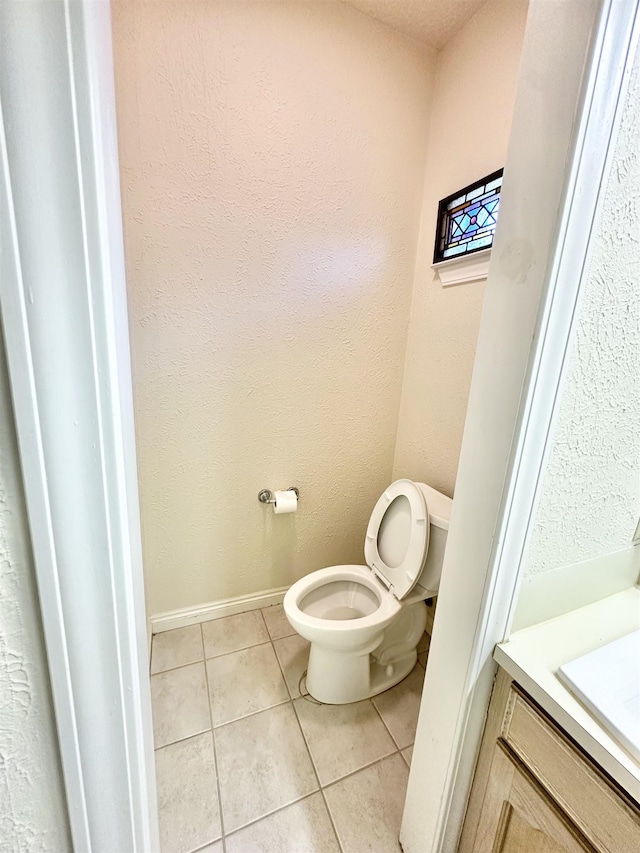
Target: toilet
{"points": [[365, 622]]}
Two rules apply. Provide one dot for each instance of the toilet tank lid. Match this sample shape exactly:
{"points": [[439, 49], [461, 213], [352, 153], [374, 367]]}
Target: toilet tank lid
{"points": [[439, 506]]}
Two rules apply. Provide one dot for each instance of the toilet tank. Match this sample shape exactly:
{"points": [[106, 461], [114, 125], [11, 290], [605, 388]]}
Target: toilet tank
{"points": [[439, 515]]}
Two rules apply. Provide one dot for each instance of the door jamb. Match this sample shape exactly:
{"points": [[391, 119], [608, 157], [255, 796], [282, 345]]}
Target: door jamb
{"points": [[511, 413]]}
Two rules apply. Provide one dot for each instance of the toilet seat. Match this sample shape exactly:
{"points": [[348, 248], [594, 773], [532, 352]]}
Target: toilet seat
{"points": [[363, 623], [384, 610], [397, 538], [395, 549]]}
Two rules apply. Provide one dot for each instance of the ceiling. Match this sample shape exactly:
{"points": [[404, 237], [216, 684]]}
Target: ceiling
{"points": [[432, 22]]}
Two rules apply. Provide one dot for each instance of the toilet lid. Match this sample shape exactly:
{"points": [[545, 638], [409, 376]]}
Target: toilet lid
{"points": [[398, 537]]}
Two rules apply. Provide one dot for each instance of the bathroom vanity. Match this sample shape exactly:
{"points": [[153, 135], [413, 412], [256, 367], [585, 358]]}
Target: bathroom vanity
{"points": [[536, 791], [550, 778]]}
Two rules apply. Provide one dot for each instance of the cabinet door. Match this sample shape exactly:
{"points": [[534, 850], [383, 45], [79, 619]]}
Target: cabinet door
{"points": [[518, 817]]}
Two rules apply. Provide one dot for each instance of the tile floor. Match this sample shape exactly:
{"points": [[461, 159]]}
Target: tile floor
{"points": [[245, 764]]}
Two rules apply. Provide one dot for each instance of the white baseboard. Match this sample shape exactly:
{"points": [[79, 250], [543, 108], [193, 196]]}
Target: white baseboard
{"points": [[216, 610], [549, 594]]}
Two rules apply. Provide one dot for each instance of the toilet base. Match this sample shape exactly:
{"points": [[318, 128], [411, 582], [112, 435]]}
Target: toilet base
{"points": [[382, 679], [337, 677], [360, 676]]}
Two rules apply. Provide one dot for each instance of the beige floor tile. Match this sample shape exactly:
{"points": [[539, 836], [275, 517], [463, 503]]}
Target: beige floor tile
{"points": [[187, 794], [407, 754], [216, 847], [293, 654], [244, 682], [263, 765], [304, 827], [277, 623], [399, 707], [180, 704], [233, 633], [343, 738], [176, 648], [367, 807]]}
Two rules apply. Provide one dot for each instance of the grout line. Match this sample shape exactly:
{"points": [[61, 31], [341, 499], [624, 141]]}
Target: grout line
{"points": [[232, 616], [284, 677], [321, 788], [205, 660], [215, 756], [237, 651], [331, 821], [373, 698], [306, 743], [208, 844], [313, 765], [215, 657], [368, 766], [396, 751], [264, 621], [262, 609], [180, 739], [251, 714], [285, 637], [319, 791], [202, 640], [408, 763], [170, 668], [379, 713], [299, 725], [206, 657], [364, 767], [174, 668], [271, 813]]}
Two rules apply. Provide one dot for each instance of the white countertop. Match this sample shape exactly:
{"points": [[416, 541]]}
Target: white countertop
{"points": [[533, 656]]}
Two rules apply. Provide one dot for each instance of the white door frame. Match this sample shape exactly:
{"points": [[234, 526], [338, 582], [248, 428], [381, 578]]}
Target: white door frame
{"points": [[534, 286], [63, 306], [63, 303]]}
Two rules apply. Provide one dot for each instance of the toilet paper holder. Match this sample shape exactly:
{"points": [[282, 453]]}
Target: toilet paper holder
{"points": [[265, 496]]}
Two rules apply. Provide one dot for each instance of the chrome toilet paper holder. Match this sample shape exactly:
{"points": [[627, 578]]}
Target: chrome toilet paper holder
{"points": [[265, 496]]}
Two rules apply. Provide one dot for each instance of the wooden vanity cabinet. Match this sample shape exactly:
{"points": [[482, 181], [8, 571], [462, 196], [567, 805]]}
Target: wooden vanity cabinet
{"points": [[535, 791]]}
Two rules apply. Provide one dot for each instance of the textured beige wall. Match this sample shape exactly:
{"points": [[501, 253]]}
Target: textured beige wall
{"points": [[590, 497], [273, 164], [33, 809], [472, 106]]}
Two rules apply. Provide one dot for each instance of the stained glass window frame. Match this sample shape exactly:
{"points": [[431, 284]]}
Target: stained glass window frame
{"points": [[451, 216]]}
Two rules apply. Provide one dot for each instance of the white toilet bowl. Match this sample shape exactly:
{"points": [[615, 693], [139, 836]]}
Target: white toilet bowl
{"points": [[364, 622]]}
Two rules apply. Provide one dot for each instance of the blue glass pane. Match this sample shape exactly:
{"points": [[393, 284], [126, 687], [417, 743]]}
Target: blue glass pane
{"points": [[475, 193], [481, 242], [454, 250], [467, 220]]}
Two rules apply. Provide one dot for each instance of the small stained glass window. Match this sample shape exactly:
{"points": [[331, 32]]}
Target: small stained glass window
{"points": [[467, 219]]}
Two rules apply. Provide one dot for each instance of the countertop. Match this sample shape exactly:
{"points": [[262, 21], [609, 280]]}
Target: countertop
{"points": [[533, 656]]}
